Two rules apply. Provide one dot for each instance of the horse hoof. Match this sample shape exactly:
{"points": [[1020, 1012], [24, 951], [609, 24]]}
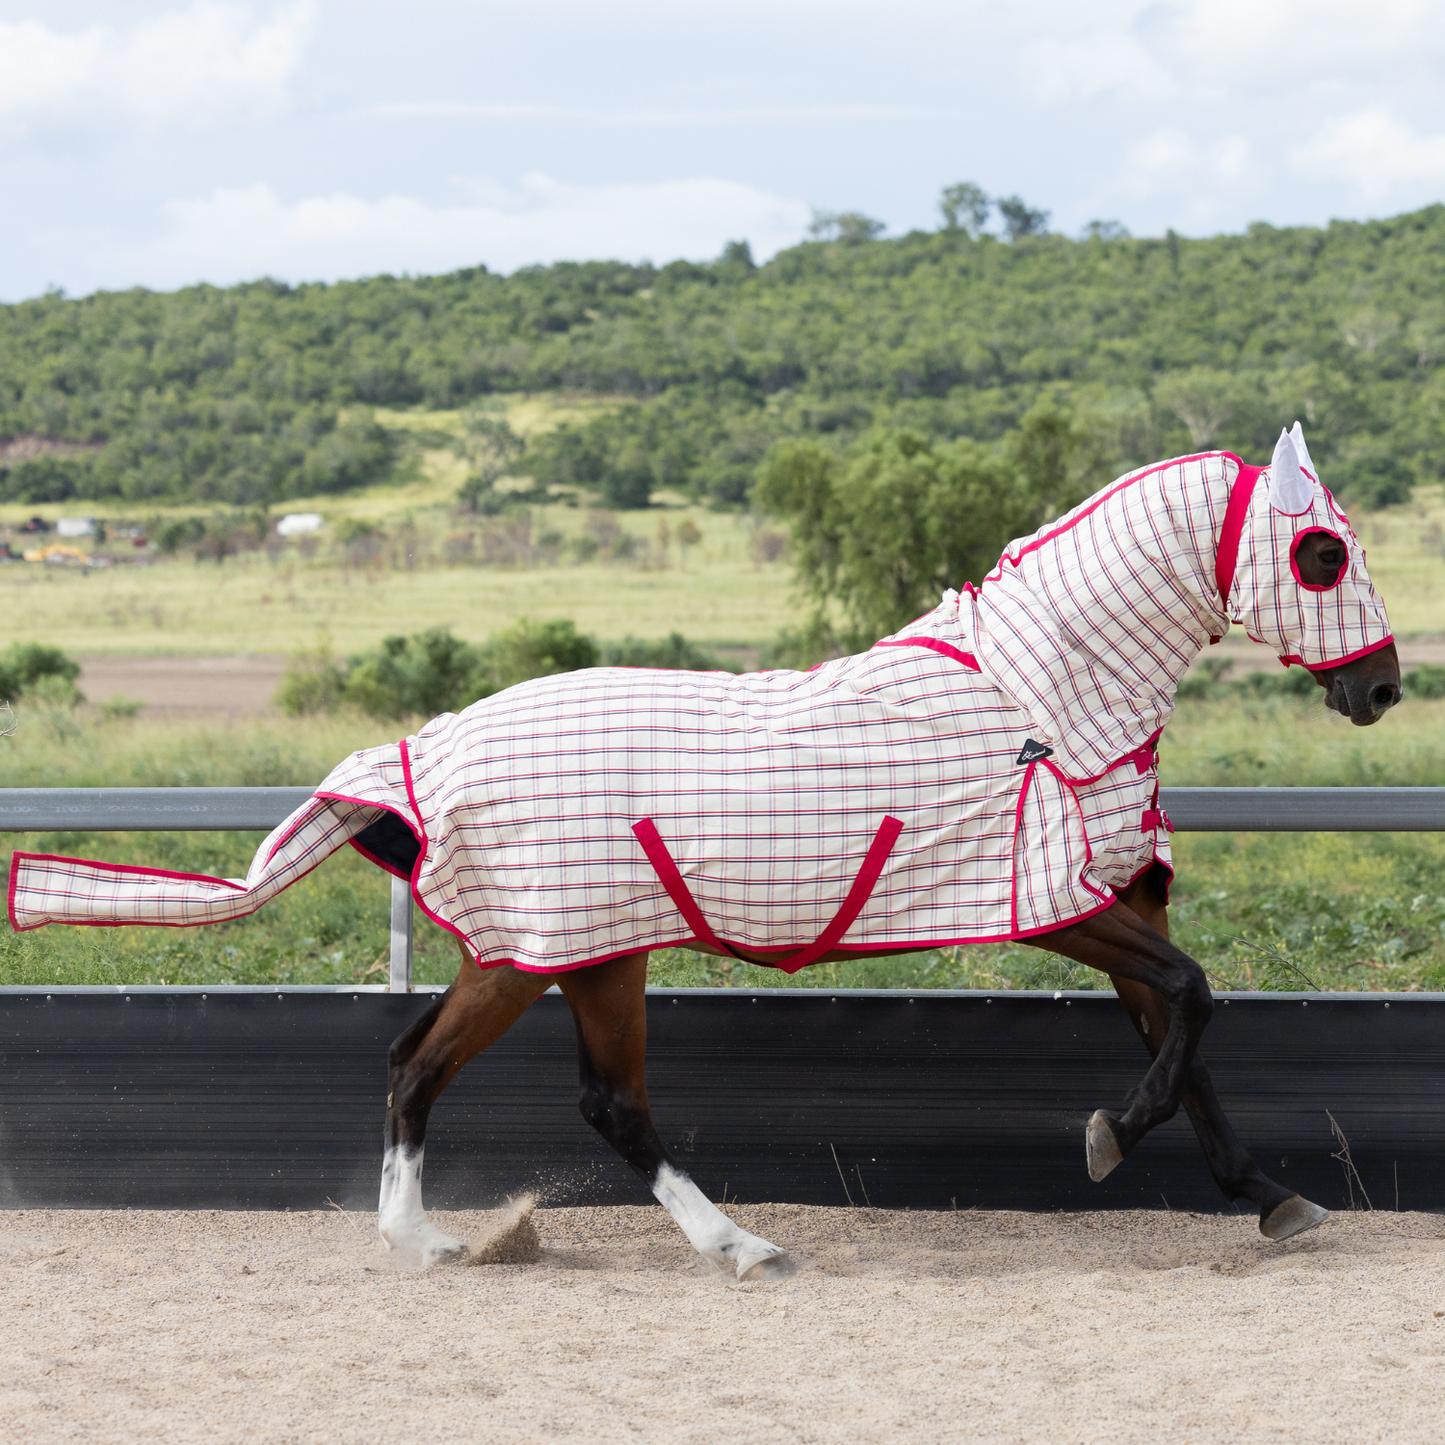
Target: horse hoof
{"points": [[1292, 1217], [765, 1261], [1102, 1147]]}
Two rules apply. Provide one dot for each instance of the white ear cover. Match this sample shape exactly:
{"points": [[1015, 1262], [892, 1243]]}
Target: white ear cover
{"points": [[1290, 491], [1297, 436]]}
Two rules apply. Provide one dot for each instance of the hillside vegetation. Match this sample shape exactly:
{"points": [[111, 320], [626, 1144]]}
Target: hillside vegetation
{"points": [[262, 392]]}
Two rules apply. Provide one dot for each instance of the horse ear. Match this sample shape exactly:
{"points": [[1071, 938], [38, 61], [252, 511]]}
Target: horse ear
{"points": [[1289, 489], [1297, 436]]}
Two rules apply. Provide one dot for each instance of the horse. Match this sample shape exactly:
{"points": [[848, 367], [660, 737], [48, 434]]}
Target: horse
{"points": [[988, 772]]}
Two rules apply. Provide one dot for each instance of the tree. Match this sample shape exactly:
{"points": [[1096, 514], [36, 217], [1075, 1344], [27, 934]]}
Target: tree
{"points": [[1019, 220], [1106, 231], [965, 208], [885, 531], [850, 227], [738, 253], [1205, 400]]}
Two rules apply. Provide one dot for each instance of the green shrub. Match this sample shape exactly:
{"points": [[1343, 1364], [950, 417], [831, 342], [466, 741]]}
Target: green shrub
{"points": [[24, 664], [313, 681], [430, 673], [434, 672], [44, 479], [674, 652], [1427, 680], [1373, 481]]}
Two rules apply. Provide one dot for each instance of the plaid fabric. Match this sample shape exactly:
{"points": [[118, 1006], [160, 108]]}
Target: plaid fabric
{"points": [[1010, 732], [1316, 627]]}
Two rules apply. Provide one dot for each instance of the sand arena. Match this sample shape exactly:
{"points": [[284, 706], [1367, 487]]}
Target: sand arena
{"points": [[259, 1327]]}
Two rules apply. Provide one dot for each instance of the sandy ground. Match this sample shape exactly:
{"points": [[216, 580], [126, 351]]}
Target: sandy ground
{"points": [[897, 1327], [185, 687]]}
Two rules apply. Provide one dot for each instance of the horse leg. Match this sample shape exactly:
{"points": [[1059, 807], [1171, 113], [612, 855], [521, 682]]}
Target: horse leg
{"points": [[1282, 1212], [609, 1007], [479, 1007], [1120, 943]]}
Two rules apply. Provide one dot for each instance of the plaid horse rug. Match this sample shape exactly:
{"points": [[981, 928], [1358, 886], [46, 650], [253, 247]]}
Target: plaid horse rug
{"points": [[987, 773]]}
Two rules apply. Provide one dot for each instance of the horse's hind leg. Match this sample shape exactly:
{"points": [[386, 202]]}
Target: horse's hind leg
{"points": [[479, 1007], [1282, 1212], [609, 1006]]}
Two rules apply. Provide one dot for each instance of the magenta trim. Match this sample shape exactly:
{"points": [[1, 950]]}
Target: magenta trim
{"points": [[898, 946], [1226, 554], [421, 857], [1290, 659], [1013, 875], [1073, 790], [1294, 562], [862, 887], [667, 871], [1099, 502], [372, 858], [944, 649], [381, 808], [144, 872], [10, 896]]}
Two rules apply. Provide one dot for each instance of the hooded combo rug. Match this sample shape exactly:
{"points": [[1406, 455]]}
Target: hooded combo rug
{"points": [[989, 772]]}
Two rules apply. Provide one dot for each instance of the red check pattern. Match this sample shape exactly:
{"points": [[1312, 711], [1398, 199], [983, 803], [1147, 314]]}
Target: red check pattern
{"points": [[545, 812]]}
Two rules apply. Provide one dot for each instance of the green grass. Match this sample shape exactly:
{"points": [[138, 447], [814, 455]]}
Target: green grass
{"points": [[1362, 911]]}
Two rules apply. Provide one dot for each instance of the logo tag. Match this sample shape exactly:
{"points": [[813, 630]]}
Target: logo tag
{"points": [[1031, 752]]}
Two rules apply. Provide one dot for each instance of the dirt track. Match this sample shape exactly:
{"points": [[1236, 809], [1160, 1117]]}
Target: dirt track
{"points": [[897, 1327]]}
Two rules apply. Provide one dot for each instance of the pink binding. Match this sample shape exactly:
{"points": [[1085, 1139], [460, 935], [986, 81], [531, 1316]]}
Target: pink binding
{"points": [[1226, 556], [863, 885]]}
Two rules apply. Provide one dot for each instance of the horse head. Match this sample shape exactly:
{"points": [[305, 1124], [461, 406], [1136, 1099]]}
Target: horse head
{"points": [[1301, 586]]}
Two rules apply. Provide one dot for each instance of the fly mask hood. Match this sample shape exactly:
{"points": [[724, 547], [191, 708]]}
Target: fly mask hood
{"points": [[1272, 512]]}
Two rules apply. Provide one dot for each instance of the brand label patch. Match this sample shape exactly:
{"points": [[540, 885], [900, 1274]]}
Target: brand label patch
{"points": [[1031, 752]]}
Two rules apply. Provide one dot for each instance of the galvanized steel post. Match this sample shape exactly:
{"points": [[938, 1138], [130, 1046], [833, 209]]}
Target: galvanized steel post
{"points": [[401, 917]]}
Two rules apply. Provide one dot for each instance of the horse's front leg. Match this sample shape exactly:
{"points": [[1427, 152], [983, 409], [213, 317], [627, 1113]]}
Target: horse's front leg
{"points": [[1120, 943], [479, 1007], [1282, 1212], [609, 1006]]}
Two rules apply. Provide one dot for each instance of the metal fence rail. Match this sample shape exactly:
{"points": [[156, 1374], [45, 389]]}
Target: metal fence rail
{"points": [[205, 810]]}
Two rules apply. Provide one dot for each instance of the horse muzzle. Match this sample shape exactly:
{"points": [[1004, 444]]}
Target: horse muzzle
{"points": [[1366, 689]]}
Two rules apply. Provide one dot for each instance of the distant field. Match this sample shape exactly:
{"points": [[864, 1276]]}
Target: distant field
{"points": [[718, 594]]}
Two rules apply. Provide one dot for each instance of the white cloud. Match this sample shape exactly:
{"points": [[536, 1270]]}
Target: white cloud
{"points": [[1058, 71], [192, 67], [748, 115], [1170, 162], [240, 234], [1375, 151]]}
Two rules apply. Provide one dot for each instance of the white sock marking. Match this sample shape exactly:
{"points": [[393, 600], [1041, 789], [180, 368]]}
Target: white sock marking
{"points": [[400, 1217], [709, 1231]]}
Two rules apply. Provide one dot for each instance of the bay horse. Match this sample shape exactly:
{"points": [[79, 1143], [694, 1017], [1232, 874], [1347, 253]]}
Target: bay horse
{"points": [[989, 772]]}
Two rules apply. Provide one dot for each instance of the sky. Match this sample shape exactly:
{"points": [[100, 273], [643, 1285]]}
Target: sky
{"points": [[162, 144]]}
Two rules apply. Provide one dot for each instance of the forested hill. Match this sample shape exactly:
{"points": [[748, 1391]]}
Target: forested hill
{"points": [[262, 391]]}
